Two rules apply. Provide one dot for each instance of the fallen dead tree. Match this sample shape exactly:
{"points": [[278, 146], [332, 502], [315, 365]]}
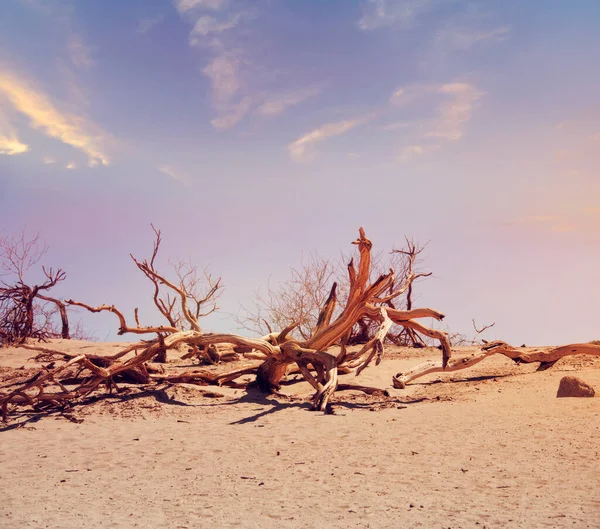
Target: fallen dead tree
{"points": [[546, 358], [279, 352]]}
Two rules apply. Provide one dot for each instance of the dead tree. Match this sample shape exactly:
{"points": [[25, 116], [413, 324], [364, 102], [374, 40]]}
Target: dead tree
{"points": [[26, 310], [279, 351], [182, 302], [299, 299], [294, 301]]}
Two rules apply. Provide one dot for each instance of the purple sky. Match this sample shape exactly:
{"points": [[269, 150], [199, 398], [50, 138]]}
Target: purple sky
{"points": [[255, 132]]}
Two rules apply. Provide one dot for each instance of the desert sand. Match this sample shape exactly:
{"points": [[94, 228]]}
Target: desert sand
{"points": [[488, 447]]}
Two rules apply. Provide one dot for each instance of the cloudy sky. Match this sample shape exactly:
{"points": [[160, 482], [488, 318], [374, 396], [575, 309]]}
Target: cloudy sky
{"points": [[254, 132]]}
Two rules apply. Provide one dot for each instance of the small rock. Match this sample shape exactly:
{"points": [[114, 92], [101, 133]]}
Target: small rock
{"points": [[574, 387]]}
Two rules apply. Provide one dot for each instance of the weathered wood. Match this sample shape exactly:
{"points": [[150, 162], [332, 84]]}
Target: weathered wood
{"points": [[519, 355], [365, 301], [123, 327]]}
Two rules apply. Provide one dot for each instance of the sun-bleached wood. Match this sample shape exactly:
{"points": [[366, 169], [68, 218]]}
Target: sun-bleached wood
{"points": [[547, 358]]}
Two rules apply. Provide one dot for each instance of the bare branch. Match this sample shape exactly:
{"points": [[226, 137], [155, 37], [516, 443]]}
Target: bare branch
{"points": [[483, 329], [123, 327]]}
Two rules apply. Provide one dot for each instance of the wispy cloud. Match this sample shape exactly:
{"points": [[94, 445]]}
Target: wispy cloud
{"points": [[454, 114], [147, 24], [385, 13], [235, 86], [184, 6], [275, 105], [49, 160], [174, 174], [298, 149], [62, 15], [43, 115], [231, 107], [406, 95], [410, 152], [232, 113], [223, 74], [453, 38], [11, 145], [211, 31], [71, 165], [453, 103], [209, 25]]}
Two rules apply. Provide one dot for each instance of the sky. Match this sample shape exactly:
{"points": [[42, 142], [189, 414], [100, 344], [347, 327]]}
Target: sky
{"points": [[256, 132]]}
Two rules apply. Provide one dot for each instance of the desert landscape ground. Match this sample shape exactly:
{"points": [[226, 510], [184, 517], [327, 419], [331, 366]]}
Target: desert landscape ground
{"points": [[490, 446]]}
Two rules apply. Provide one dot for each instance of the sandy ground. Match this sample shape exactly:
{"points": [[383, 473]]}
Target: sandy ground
{"points": [[491, 447]]}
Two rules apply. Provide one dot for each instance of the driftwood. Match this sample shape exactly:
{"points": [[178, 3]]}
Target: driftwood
{"points": [[546, 358], [282, 353]]}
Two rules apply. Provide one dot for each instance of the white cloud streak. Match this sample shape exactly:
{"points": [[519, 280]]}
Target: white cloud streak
{"points": [[43, 115], [173, 174], [276, 105], [298, 149]]}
